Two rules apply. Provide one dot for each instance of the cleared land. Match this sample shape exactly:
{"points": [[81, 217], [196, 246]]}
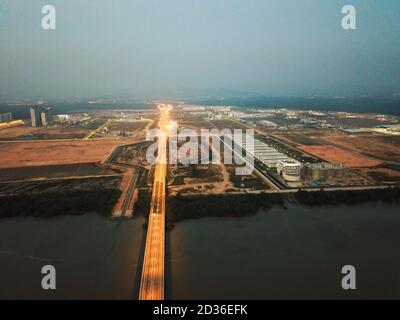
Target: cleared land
{"points": [[39, 153], [385, 148], [128, 126], [195, 124], [337, 155], [55, 171], [134, 154], [251, 182], [228, 124], [301, 137], [380, 175], [207, 179], [364, 154], [200, 179], [58, 197], [59, 185], [133, 129], [42, 133]]}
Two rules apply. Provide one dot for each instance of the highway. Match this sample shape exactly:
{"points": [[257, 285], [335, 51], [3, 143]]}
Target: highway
{"points": [[152, 280], [325, 189]]}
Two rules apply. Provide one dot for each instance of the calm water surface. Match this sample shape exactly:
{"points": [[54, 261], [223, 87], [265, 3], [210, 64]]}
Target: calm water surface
{"points": [[296, 252]]}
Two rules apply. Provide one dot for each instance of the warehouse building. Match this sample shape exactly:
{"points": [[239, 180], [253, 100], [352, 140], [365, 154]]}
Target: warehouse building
{"points": [[266, 154], [359, 132]]}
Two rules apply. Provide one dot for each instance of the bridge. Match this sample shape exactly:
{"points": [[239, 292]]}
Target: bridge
{"points": [[152, 280]]}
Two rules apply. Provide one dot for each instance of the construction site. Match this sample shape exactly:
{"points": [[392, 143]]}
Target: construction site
{"points": [[87, 152], [309, 149]]}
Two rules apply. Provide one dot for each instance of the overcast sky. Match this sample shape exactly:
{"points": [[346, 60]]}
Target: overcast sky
{"points": [[274, 47]]}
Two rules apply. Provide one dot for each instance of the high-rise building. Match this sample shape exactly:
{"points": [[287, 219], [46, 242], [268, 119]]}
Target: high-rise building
{"points": [[6, 117], [36, 116], [47, 117], [41, 116]]}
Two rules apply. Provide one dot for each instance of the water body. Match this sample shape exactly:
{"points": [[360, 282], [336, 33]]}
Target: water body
{"points": [[378, 104], [94, 257], [296, 252]]}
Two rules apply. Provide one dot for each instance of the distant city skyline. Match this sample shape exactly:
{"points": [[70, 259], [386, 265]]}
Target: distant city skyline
{"points": [[154, 48]]}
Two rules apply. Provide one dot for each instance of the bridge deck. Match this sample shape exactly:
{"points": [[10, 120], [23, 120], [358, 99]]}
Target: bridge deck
{"points": [[152, 281]]}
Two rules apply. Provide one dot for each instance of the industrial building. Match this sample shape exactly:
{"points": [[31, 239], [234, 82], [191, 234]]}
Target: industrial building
{"points": [[6, 117], [290, 170], [324, 170], [388, 129], [360, 132], [268, 124], [266, 154]]}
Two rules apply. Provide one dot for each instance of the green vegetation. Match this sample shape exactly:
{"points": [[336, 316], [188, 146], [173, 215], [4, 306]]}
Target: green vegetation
{"points": [[383, 177], [317, 198], [51, 204], [186, 207], [189, 207], [142, 180], [142, 205], [248, 182]]}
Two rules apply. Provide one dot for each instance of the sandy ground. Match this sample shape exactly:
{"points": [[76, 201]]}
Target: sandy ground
{"points": [[379, 175], [134, 130], [337, 155], [380, 147], [58, 132], [55, 171], [385, 148], [17, 131], [36, 153], [195, 186]]}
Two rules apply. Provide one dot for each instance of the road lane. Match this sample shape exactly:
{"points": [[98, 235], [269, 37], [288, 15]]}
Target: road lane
{"points": [[152, 280]]}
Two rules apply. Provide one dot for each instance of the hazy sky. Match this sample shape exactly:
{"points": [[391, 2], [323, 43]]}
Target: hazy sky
{"points": [[274, 47]]}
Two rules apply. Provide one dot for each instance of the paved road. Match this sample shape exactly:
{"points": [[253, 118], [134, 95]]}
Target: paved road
{"points": [[125, 212], [326, 189], [152, 281]]}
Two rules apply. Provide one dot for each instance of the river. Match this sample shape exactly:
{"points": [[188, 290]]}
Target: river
{"points": [[292, 252]]}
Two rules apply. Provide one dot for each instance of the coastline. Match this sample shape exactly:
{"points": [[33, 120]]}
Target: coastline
{"points": [[179, 208]]}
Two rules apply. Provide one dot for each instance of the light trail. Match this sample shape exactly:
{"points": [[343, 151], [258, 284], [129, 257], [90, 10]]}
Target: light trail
{"points": [[152, 280]]}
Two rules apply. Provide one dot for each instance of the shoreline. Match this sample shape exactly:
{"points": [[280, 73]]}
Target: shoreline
{"points": [[180, 208]]}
